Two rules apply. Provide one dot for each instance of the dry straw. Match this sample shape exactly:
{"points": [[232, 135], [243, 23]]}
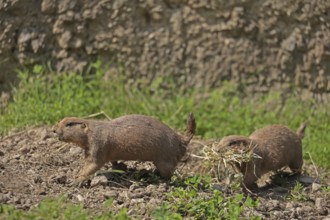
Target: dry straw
{"points": [[217, 157]]}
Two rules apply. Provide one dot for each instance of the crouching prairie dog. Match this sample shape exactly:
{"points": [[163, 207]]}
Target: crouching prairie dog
{"points": [[277, 145], [130, 137]]}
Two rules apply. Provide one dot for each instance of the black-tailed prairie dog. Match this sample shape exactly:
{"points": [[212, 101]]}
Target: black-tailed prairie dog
{"points": [[277, 145], [130, 137]]}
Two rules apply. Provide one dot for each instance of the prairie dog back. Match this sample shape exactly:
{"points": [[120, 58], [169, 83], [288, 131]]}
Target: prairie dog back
{"points": [[280, 146], [139, 137]]}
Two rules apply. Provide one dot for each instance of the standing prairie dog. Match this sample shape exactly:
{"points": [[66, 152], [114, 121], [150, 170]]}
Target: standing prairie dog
{"points": [[277, 145], [130, 137]]}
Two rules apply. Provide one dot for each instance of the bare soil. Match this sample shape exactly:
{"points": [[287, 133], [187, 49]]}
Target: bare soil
{"points": [[34, 165]]}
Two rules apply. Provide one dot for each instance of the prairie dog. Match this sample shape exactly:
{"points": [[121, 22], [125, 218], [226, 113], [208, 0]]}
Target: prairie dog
{"points": [[277, 145], [130, 137]]}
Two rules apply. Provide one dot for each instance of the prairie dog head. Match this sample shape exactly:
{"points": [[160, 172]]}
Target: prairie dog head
{"points": [[72, 130], [236, 141]]}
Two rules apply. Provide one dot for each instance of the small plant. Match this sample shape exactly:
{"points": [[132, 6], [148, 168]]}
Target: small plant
{"points": [[165, 213], [326, 190], [58, 209], [298, 193], [194, 197]]}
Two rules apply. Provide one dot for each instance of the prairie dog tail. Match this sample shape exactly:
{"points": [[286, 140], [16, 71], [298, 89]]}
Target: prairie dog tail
{"points": [[190, 128], [301, 130]]}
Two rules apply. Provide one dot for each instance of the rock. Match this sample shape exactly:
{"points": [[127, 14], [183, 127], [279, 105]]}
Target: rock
{"points": [[42, 191], [3, 198], [44, 134], [75, 150], [289, 205], [80, 198], [133, 187], [24, 150], [111, 194], [60, 178], [280, 190], [17, 156], [135, 201], [222, 188], [307, 180], [138, 193], [99, 180], [299, 211], [319, 202], [316, 187], [16, 200], [2, 153], [48, 6]]}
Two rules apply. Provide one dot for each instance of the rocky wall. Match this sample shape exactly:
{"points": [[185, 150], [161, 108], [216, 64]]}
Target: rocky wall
{"points": [[263, 44]]}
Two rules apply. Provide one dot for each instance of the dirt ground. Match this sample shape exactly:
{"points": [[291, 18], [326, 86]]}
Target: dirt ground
{"points": [[34, 165]]}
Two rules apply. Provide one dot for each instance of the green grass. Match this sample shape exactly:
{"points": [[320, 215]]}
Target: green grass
{"points": [[195, 197], [44, 97], [58, 209]]}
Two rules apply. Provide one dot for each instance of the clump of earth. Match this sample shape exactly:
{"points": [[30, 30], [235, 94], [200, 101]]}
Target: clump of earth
{"points": [[34, 165]]}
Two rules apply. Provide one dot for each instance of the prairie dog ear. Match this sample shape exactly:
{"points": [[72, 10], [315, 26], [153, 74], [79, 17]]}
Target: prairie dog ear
{"points": [[83, 125]]}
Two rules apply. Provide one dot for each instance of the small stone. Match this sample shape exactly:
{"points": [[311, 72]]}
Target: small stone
{"points": [[16, 200], [44, 134], [277, 213], [280, 190], [75, 150], [28, 201], [99, 180], [289, 205], [151, 188], [16, 156], [275, 203], [2, 153], [60, 178], [3, 198], [318, 203], [133, 187], [111, 194], [307, 180], [299, 211], [80, 198], [135, 201], [42, 192], [24, 150], [316, 187], [219, 187], [48, 6]]}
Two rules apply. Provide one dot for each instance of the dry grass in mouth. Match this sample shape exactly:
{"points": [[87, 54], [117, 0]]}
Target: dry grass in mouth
{"points": [[216, 158]]}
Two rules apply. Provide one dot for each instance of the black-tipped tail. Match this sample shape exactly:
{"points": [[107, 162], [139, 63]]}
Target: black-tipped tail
{"points": [[301, 130], [191, 128]]}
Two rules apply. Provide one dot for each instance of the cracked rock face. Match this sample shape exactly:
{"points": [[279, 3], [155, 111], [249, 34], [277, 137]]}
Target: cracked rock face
{"points": [[262, 44]]}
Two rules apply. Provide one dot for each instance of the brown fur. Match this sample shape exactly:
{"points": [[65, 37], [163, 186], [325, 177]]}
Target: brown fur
{"points": [[130, 137], [276, 144]]}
